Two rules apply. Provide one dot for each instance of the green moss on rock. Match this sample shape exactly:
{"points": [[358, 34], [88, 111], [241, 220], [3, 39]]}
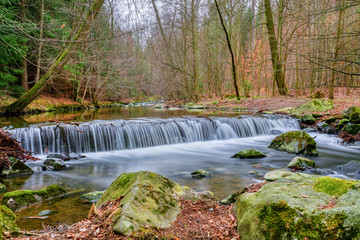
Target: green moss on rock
{"points": [[7, 221], [293, 207], [298, 142], [308, 118], [148, 199], [334, 186], [313, 106], [352, 129], [301, 163], [22, 198], [249, 153], [348, 112]]}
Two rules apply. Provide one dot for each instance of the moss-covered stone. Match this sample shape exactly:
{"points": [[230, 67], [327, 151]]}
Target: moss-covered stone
{"points": [[17, 168], [148, 199], [200, 173], [7, 221], [348, 112], [22, 198], [308, 119], [301, 163], [352, 129], [288, 209], [342, 123], [313, 106], [298, 142], [249, 153]]}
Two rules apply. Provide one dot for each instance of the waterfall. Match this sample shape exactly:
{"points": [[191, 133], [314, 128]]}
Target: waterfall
{"points": [[127, 134]]}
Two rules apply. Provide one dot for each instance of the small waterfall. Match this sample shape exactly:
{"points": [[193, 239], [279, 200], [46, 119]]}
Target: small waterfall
{"points": [[116, 135]]}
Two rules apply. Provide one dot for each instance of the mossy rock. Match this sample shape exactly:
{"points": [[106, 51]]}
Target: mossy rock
{"points": [[7, 221], [315, 105], [348, 112], [333, 120], [200, 173], [249, 153], [301, 163], [308, 119], [17, 168], [298, 142], [149, 199], [342, 123], [92, 197], [55, 164], [352, 129], [287, 209], [22, 198]]}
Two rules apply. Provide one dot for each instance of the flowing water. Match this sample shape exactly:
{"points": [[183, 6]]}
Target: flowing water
{"points": [[170, 145]]}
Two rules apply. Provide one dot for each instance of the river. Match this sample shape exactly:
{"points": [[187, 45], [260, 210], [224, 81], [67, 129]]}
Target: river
{"points": [[171, 143]]}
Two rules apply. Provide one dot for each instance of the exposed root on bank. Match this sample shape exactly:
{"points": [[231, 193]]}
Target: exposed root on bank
{"points": [[9, 147], [197, 220]]}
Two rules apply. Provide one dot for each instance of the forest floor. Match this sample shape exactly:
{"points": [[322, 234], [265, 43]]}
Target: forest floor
{"points": [[197, 220]]}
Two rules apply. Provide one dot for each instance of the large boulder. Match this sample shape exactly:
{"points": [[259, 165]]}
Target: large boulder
{"points": [[298, 142], [303, 206], [316, 105], [7, 221], [148, 199], [22, 198], [249, 153]]}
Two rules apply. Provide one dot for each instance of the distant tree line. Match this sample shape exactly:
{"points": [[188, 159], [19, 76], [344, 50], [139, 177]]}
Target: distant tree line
{"points": [[181, 49]]}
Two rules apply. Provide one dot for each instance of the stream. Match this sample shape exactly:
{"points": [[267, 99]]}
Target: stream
{"points": [[170, 143]]}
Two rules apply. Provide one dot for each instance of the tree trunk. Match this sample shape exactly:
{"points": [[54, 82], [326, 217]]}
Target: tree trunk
{"points": [[38, 67], [230, 50], [336, 51], [59, 61], [275, 58], [24, 63]]}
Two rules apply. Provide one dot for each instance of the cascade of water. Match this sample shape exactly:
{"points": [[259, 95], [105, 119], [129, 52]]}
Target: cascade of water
{"points": [[116, 135]]}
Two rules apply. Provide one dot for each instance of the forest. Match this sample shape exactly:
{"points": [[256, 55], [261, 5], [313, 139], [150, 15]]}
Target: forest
{"points": [[180, 119], [189, 49]]}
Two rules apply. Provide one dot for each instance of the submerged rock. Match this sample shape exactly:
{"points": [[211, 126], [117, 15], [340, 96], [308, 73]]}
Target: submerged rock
{"points": [[17, 168], [351, 168], [191, 195], [298, 142], [22, 198], [311, 207], [308, 119], [249, 153], [92, 197], [200, 173], [148, 199], [7, 221], [301, 163]]}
